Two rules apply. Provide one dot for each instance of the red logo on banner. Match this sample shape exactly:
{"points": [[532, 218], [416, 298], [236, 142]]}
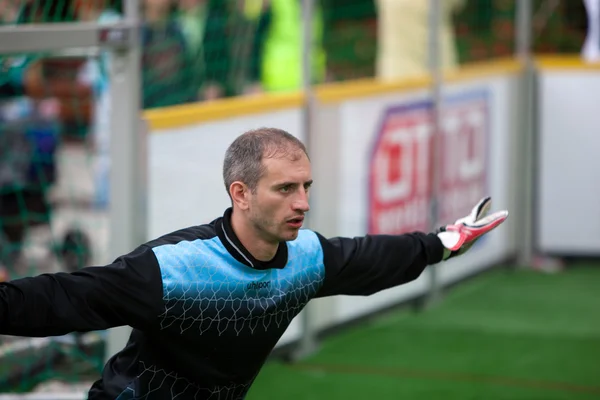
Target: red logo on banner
{"points": [[401, 164]]}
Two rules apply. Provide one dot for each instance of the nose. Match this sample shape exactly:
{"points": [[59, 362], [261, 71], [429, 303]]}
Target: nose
{"points": [[301, 203]]}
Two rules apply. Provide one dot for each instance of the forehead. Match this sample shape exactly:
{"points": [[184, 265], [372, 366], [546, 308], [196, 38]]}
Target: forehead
{"points": [[289, 168]]}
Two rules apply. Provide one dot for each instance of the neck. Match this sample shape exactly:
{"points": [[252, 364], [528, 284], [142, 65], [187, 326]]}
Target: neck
{"points": [[260, 249]]}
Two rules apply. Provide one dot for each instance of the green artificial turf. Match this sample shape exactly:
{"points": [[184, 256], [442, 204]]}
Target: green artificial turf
{"points": [[503, 335]]}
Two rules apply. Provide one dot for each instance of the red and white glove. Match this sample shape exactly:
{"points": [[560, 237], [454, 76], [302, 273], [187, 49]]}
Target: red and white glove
{"points": [[460, 236]]}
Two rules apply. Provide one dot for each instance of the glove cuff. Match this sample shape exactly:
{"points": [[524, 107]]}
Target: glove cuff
{"points": [[450, 240], [435, 248]]}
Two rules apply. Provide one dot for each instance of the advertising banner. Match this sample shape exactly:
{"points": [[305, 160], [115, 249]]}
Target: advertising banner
{"points": [[401, 164]]}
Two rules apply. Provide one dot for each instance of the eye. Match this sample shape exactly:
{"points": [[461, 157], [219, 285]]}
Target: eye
{"points": [[285, 189]]}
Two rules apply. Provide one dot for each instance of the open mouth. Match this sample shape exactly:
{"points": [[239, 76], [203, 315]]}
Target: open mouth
{"points": [[296, 222]]}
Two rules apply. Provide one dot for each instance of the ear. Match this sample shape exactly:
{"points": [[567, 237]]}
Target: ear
{"points": [[239, 193]]}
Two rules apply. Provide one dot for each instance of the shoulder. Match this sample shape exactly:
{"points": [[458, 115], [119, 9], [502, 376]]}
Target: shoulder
{"points": [[187, 246], [189, 234]]}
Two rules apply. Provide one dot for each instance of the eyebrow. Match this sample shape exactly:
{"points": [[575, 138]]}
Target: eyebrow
{"points": [[282, 184]]}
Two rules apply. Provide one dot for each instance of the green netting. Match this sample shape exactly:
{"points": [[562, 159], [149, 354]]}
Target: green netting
{"points": [[54, 114], [485, 29], [362, 34], [50, 220]]}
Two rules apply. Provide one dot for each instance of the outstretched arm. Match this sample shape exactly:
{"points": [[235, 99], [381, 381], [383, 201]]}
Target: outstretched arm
{"points": [[366, 265], [127, 292]]}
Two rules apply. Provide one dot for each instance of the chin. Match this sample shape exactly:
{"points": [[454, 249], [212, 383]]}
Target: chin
{"points": [[290, 236]]}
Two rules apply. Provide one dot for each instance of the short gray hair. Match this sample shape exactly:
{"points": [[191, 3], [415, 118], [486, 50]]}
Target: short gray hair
{"points": [[243, 158]]}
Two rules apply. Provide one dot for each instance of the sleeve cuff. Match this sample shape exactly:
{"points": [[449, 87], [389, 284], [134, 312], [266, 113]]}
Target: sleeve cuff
{"points": [[436, 250]]}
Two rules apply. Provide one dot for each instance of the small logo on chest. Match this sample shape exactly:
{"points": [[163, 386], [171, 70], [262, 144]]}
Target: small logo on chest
{"points": [[258, 285]]}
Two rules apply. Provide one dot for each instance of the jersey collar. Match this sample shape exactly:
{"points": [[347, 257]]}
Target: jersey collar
{"points": [[239, 252]]}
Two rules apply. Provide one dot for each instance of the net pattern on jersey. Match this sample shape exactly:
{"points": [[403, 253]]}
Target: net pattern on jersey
{"points": [[208, 292], [206, 289], [170, 383]]}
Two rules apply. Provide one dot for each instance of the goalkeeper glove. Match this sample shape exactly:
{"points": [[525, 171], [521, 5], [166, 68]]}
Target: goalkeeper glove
{"points": [[459, 237]]}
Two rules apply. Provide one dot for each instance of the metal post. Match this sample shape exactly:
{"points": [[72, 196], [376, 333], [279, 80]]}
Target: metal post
{"points": [[308, 341], [128, 161], [435, 67], [42, 37], [527, 139]]}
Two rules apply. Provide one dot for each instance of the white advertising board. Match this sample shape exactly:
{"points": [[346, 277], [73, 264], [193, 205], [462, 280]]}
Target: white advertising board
{"points": [[568, 191], [185, 173], [382, 162], [499, 133]]}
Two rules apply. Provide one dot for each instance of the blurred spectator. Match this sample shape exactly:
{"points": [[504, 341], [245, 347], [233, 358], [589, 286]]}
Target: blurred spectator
{"points": [[49, 75], [245, 32], [559, 27], [485, 30], [168, 76], [278, 46], [192, 16], [203, 23], [403, 37], [591, 47], [95, 76], [9, 10], [29, 131], [220, 36], [257, 13], [349, 38]]}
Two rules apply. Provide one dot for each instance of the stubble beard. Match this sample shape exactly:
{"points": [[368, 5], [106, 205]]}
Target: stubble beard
{"points": [[266, 229]]}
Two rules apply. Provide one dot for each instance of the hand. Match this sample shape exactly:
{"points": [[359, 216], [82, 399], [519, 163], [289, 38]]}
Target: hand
{"points": [[460, 236]]}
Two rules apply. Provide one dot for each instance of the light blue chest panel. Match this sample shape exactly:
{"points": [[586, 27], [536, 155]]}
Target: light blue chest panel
{"points": [[208, 292]]}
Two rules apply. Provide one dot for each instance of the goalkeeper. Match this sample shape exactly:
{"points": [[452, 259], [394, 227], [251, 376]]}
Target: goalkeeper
{"points": [[208, 303]]}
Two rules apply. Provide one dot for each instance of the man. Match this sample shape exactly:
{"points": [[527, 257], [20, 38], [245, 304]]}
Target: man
{"points": [[277, 46], [403, 35], [208, 303]]}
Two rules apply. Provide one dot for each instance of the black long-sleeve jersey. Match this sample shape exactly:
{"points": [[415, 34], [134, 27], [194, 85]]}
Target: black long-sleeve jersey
{"points": [[205, 313]]}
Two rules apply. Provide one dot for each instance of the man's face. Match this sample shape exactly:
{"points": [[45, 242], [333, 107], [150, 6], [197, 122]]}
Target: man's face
{"points": [[280, 201]]}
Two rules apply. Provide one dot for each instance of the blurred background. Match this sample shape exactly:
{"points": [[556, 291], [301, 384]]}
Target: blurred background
{"points": [[412, 110]]}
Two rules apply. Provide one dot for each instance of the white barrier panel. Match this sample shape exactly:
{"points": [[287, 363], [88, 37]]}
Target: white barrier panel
{"points": [[497, 123], [342, 152], [568, 217], [377, 165], [185, 173]]}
